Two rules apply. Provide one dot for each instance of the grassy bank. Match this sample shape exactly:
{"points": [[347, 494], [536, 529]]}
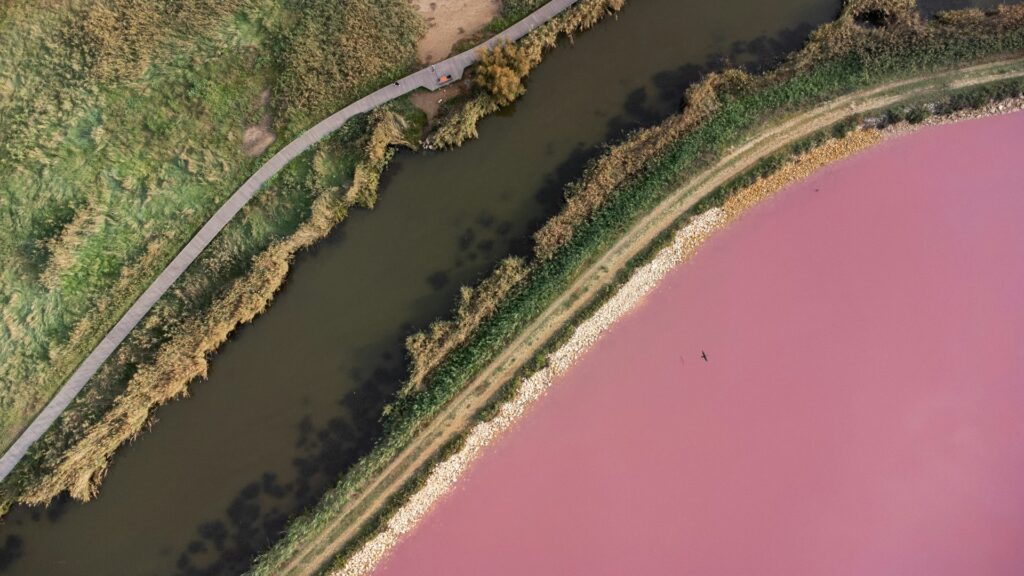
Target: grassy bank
{"points": [[126, 124], [873, 43]]}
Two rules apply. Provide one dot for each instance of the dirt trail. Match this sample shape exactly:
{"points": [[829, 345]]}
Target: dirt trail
{"points": [[455, 417]]}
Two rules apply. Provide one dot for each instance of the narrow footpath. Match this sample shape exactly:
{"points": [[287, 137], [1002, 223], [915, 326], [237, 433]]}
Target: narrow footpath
{"points": [[432, 78]]}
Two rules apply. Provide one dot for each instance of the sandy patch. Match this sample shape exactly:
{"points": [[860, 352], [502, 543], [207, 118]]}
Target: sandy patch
{"points": [[449, 21], [430, 102], [258, 137]]}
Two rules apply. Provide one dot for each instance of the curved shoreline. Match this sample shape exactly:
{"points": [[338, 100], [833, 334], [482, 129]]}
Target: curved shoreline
{"points": [[445, 476], [431, 78]]}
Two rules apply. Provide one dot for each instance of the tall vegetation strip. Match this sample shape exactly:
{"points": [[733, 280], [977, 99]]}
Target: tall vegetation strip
{"points": [[872, 42]]}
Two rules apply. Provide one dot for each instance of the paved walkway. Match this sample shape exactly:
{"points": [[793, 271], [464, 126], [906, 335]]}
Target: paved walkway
{"points": [[431, 78]]}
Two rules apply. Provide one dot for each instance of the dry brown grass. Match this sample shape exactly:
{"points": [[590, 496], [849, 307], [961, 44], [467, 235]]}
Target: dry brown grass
{"points": [[123, 36], [339, 46], [388, 133]]}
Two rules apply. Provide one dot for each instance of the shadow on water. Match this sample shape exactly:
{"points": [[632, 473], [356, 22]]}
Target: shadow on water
{"points": [[643, 108], [10, 551], [261, 509]]}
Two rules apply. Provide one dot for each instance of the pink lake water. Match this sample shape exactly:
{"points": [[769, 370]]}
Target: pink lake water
{"points": [[861, 411]]}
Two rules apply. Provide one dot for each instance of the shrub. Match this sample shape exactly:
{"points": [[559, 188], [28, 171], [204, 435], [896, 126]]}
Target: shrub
{"points": [[918, 114], [502, 68]]}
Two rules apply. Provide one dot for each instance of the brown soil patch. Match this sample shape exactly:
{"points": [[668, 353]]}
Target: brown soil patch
{"points": [[258, 137], [430, 102], [449, 21]]}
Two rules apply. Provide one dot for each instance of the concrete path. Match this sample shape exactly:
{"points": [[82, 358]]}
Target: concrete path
{"points": [[431, 78]]}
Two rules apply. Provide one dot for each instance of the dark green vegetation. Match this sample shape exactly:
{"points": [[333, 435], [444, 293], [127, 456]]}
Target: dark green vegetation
{"points": [[873, 43], [123, 127], [966, 99]]}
